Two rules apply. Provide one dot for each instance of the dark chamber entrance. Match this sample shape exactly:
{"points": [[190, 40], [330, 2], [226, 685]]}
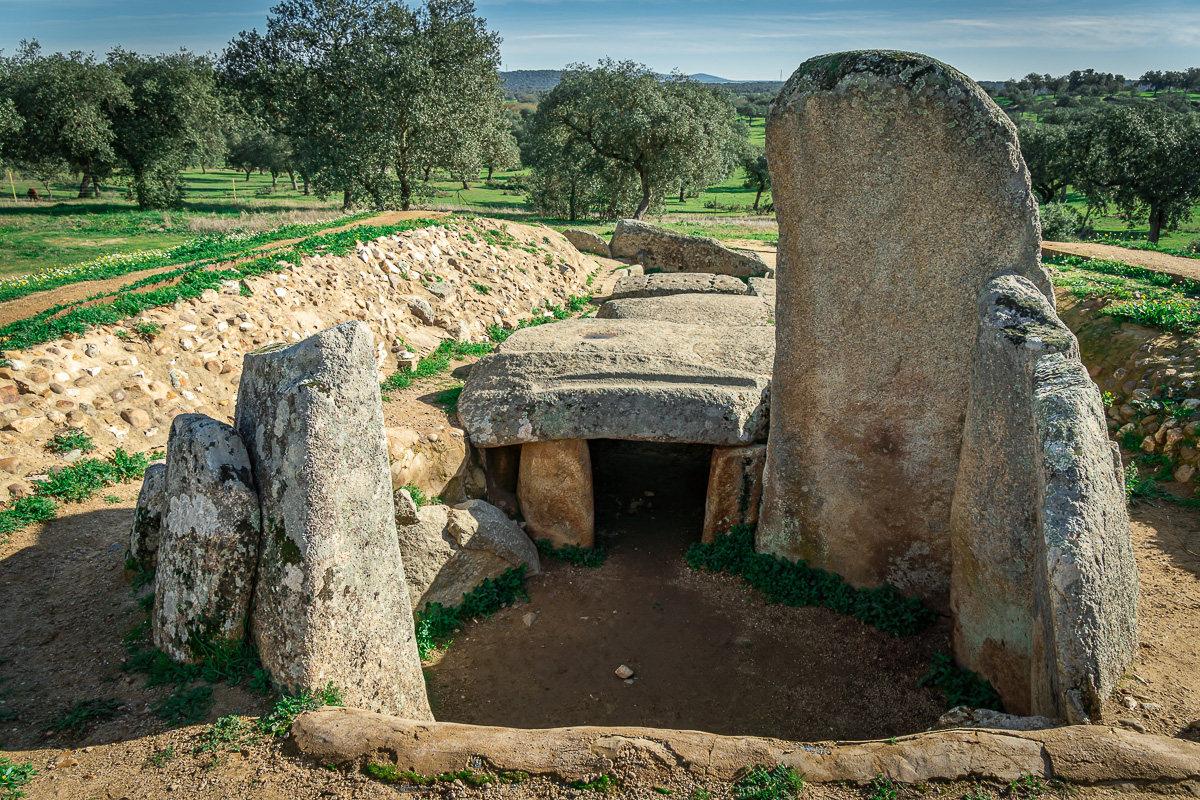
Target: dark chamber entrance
{"points": [[649, 496], [707, 651]]}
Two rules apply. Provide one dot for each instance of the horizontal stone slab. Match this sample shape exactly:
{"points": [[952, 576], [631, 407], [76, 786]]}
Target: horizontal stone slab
{"points": [[1084, 754], [622, 379], [692, 309], [663, 285], [671, 251]]}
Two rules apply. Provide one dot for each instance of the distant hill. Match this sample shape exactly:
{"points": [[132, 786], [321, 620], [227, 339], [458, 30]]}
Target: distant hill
{"points": [[536, 82]]}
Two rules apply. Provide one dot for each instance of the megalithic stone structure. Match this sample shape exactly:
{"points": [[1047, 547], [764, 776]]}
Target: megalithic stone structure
{"points": [[900, 192], [330, 604]]}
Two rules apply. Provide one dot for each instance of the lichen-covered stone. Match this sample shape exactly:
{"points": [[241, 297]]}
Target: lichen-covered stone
{"points": [[622, 379], [587, 241], [734, 489], [555, 489], [210, 538], [147, 519], [717, 310], [1085, 584], [900, 192], [667, 284], [331, 603], [994, 519], [448, 552], [671, 251]]}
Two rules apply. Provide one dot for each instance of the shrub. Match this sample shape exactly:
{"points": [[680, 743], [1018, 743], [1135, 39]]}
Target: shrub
{"points": [[1062, 223], [67, 441]]}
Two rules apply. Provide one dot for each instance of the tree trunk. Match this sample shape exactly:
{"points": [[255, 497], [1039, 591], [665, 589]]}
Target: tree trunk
{"points": [[1062, 195], [347, 200], [1157, 217], [406, 190], [427, 171], [491, 169], [248, 171], [84, 184], [49, 193], [203, 170], [306, 189], [292, 175], [757, 198], [647, 194], [274, 181], [681, 190]]}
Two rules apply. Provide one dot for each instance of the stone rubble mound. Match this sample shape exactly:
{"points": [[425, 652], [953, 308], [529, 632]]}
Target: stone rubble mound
{"points": [[414, 289]]}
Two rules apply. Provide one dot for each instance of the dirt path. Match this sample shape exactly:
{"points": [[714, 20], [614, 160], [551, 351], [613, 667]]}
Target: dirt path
{"points": [[31, 304], [1159, 262]]}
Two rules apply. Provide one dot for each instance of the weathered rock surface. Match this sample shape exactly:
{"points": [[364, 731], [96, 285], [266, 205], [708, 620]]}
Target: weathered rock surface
{"points": [[665, 285], [211, 526], [331, 602], [994, 519], [438, 468], [966, 717], [556, 493], [501, 465], [587, 242], [448, 552], [900, 192], [1085, 585], [720, 311], [147, 518], [734, 489], [670, 251], [764, 288], [622, 379], [1078, 754]]}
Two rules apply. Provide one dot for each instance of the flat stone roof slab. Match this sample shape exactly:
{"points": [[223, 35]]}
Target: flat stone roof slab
{"points": [[723, 310], [662, 284]]}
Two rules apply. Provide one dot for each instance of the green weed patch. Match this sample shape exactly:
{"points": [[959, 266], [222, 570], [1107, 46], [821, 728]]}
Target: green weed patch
{"points": [[185, 707], [437, 624], [389, 773], [590, 557], [794, 583], [13, 777], [290, 706], [768, 783], [434, 364], [961, 686], [1132, 294], [605, 784], [83, 713], [227, 733], [71, 440]]}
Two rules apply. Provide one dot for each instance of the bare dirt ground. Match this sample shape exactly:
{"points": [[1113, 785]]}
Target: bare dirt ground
{"points": [[29, 305], [1159, 262]]}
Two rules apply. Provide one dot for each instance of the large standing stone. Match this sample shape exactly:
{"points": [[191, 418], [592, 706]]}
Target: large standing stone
{"points": [[994, 520], [501, 465], [734, 489], [210, 537], [555, 490], [900, 192], [147, 519], [1085, 584], [671, 251], [331, 603]]}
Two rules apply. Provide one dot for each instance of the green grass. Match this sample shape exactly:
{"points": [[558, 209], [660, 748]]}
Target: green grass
{"points": [[605, 784], [1130, 293], [14, 776], [290, 706], [448, 398], [882, 789], [67, 441], [572, 553], [437, 624], [76, 719], [159, 758], [434, 364], [768, 783], [794, 583], [227, 733], [960, 686], [185, 707]]}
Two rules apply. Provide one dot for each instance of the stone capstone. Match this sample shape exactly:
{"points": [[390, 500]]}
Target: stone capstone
{"points": [[587, 242], [1085, 582], [670, 251], [900, 193], [147, 518], [717, 310], [331, 604], [665, 285], [448, 552], [210, 538], [554, 487], [622, 379]]}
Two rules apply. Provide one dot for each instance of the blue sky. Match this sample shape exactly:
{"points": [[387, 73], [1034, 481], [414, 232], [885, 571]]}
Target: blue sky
{"points": [[738, 39]]}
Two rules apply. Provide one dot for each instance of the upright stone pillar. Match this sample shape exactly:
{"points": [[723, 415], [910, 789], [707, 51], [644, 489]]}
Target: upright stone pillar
{"points": [[331, 604], [554, 486], [994, 519], [210, 537], [1085, 582], [900, 192], [734, 489]]}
